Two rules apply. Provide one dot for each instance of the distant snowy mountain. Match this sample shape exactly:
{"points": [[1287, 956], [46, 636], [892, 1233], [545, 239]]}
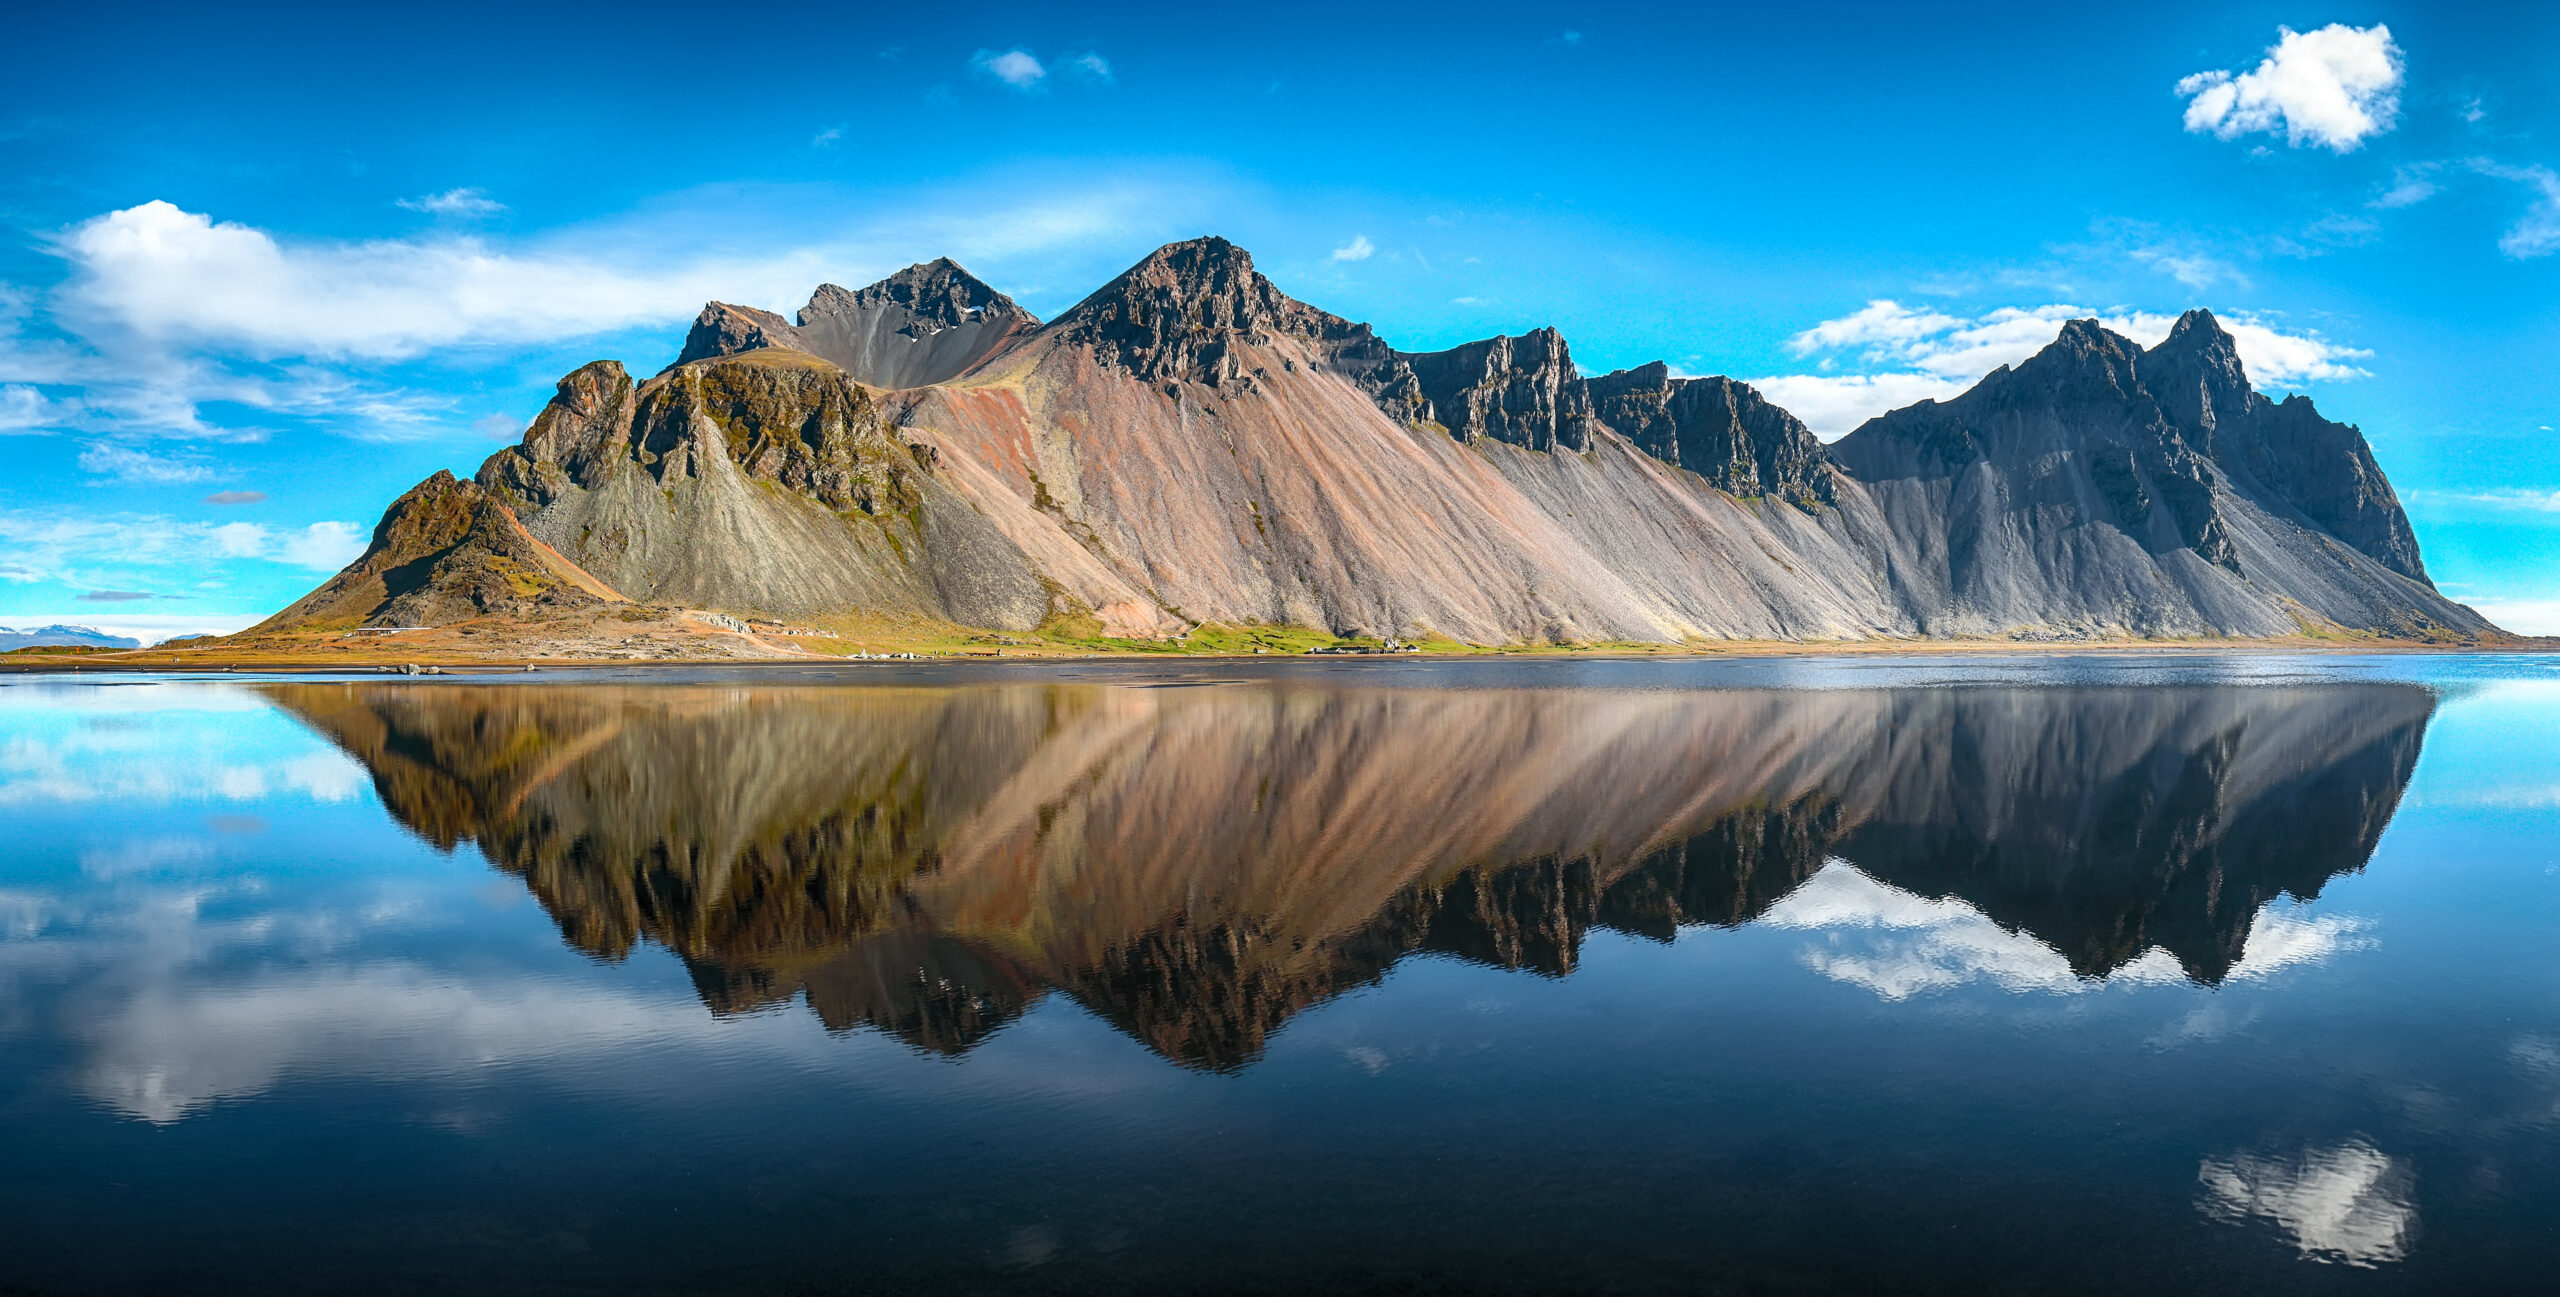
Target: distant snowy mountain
{"points": [[50, 636]]}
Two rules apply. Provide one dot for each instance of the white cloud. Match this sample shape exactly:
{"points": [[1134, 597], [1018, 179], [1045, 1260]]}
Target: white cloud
{"points": [[1880, 322], [239, 540], [169, 1052], [2333, 87], [1919, 354], [163, 311], [2346, 1204], [2193, 269], [1014, 67], [321, 547], [1358, 249], [177, 276], [1833, 405], [2505, 498], [455, 202], [2537, 233], [2410, 186], [1089, 67], [126, 463], [109, 551], [161, 273], [2523, 616], [498, 427], [24, 409], [827, 138]]}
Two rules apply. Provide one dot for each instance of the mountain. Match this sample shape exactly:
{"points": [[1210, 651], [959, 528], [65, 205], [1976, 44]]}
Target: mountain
{"points": [[447, 551], [923, 325], [59, 636], [1191, 445], [1197, 866], [2099, 484]]}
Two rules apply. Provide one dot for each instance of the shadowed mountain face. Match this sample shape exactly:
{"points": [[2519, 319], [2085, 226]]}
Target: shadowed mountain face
{"points": [[1191, 445], [1198, 864]]}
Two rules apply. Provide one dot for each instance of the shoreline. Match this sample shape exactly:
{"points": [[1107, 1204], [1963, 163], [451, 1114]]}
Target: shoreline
{"points": [[445, 662]]}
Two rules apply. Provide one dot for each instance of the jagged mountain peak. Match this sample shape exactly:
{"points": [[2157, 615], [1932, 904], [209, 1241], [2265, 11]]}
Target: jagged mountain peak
{"points": [[725, 329], [2086, 360], [2197, 374], [938, 292], [1205, 283], [2197, 327], [1179, 314]]}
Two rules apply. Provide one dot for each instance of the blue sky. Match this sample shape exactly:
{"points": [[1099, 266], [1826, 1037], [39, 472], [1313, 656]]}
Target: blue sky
{"points": [[266, 268]]}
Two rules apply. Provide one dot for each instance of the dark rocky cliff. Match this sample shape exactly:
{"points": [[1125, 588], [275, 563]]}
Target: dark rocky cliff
{"points": [[1182, 314], [2069, 491], [925, 324], [2323, 471], [1719, 429], [1521, 390]]}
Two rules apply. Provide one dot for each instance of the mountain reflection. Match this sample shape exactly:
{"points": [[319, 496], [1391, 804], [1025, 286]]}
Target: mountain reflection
{"points": [[1198, 864]]}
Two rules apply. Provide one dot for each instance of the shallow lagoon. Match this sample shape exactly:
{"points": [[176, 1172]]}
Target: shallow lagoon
{"points": [[2102, 974]]}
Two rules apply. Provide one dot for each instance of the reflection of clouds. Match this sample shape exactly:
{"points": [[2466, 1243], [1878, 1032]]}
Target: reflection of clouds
{"points": [[128, 696], [184, 995], [93, 766], [1925, 944], [1913, 943], [171, 1051], [145, 856], [325, 774], [2348, 1203], [2281, 938]]}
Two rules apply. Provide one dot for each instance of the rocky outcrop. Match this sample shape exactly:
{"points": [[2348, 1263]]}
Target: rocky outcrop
{"points": [[1198, 866], [1521, 390], [1185, 314], [763, 482], [1719, 429], [2322, 472], [725, 330], [447, 551], [925, 324]]}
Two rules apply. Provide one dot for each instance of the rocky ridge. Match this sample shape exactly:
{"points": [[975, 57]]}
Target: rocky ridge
{"points": [[1189, 444]]}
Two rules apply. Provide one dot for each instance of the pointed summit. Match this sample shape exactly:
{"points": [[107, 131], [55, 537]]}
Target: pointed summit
{"points": [[2322, 471], [726, 330], [2197, 376], [1180, 315], [926, 324]]}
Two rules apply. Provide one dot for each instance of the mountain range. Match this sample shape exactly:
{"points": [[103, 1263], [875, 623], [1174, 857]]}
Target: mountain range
{"points": [[61, 636], [1189, 445]]}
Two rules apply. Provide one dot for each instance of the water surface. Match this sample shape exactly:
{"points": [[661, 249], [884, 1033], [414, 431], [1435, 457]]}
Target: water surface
{"points": [[2032, 974]]}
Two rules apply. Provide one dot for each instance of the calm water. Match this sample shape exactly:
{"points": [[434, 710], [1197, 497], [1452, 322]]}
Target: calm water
{"points": [[2123, 975]]}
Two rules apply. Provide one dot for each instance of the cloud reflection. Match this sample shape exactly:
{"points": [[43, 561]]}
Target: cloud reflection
{"points": [[2347, 1203], [1899, 944]]}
